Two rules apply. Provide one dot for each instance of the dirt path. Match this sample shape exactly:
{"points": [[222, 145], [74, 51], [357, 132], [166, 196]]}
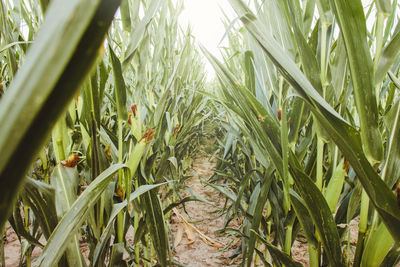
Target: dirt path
{"points": [[202, 216]]}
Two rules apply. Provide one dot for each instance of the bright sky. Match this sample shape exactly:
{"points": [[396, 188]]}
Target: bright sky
{"points": [[205, 18]]}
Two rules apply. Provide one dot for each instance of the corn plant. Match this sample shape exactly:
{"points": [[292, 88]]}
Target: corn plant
{"points": [[310, 125]]}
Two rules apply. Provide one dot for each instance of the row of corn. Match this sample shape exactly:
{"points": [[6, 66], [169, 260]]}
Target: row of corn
{"points": [[309, 140], [99, 118]]}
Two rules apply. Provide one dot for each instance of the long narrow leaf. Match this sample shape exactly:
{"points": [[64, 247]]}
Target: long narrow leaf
{"points": [[73, 219], [389, 55], [352, 23], [55, 66]]}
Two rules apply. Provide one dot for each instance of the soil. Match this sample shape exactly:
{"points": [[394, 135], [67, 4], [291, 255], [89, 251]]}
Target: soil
{"points": [[12, 248], [196, 253]]}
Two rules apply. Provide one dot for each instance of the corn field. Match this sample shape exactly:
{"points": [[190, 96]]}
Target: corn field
{"points": [[104, 105]]}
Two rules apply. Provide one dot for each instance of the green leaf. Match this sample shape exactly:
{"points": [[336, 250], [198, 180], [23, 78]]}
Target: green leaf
{"points": [[41, 199], [350, 15], [339, 69], [377, 246], [391, 173], [55, 66], [393, 257], [65, 181], [117, 208], [388, 57], [18, 224], [394, 79], [321, 215], [250, 77], [282, 256], [325, 11], [125, 16], [335, 186], [308, 16], [307, 56], [258, 214], [295, 115], [384, 6], [44, 4], [242, 187], [116, 258], [73, 219], [161, 108], [304, 217], [354, 202], [137, 35], [119, 83], [155, 222]]}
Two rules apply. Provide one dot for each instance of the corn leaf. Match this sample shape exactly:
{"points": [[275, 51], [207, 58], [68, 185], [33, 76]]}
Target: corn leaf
{"points": [[352, 24], [388, 57], [41, 199], [392, 123], [117, 208], [73, 219], [304, 218], [384, 6], [276, 252], [56, 64], [257, 215], [156, 224], [119, 83], [138, 33], [65, 181]]}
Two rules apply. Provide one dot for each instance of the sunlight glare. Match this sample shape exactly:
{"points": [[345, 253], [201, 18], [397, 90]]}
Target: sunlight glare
{"points": [[205, 18]]}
